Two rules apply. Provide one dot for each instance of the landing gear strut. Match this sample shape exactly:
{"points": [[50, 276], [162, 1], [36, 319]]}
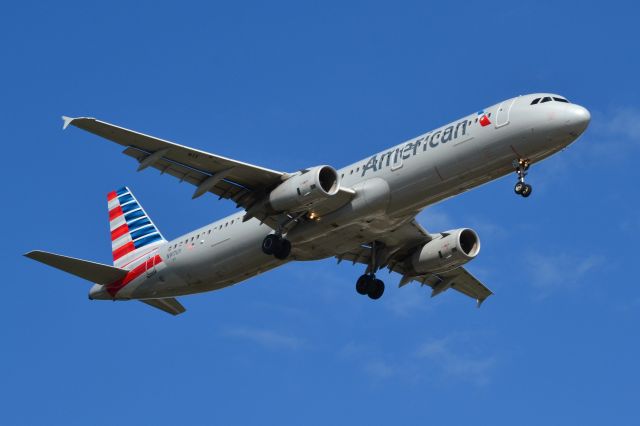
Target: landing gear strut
{"points": [[368, 283], [522, 188], [277, 246]]}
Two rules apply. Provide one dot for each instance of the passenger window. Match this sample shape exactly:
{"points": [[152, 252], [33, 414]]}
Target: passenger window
{"points": [[535, 101], [545, 99]]}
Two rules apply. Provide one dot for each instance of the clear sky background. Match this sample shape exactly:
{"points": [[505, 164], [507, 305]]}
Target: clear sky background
{"points": [[288, 85]]}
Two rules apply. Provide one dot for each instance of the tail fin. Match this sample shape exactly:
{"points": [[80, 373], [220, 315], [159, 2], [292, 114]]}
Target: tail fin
{"points": [[132, 231]]}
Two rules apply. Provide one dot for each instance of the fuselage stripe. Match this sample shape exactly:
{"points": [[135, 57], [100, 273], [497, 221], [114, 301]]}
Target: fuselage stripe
{"points": [[116, 286]]}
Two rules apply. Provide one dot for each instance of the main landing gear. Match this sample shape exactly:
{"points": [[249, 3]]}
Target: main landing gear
{"points": [[522, 188], [371, 286], [368, 283], [277, 246]]}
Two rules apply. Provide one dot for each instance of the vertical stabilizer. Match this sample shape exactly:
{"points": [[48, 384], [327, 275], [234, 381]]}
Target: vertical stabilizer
{"points": [[132, 231]]}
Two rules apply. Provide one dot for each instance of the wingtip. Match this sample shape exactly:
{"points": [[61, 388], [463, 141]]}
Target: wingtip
{"points": [[67, 121], [479, 302]]}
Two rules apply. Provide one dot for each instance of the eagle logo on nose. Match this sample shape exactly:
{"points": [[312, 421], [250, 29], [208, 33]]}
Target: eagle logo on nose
{"points": [[483, 119]]}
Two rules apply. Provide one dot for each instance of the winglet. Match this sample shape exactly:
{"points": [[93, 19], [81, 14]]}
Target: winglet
{"points": [[67, 121]]}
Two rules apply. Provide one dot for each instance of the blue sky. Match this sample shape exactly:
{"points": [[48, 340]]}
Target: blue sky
{"points": [[289, 85]]}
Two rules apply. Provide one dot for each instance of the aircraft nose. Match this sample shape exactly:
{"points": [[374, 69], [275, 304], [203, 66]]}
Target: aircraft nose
{"points": [[578, 119]]}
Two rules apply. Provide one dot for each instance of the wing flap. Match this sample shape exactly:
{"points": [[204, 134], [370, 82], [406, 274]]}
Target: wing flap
{"points": [[168, 304], [461, 280], [223, 188], [91, 271]]}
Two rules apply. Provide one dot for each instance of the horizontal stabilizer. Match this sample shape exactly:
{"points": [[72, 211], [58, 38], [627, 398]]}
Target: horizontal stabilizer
{"points": [[169, 305], [95, 272]]}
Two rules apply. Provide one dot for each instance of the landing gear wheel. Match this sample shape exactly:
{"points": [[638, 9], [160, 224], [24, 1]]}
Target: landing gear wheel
{"points": [[283, 248], [362, 285], [376, 290], [269, 244], [521, 188]]}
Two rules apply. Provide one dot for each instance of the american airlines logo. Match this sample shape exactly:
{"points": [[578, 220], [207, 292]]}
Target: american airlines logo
{"points": [[411, 148]]}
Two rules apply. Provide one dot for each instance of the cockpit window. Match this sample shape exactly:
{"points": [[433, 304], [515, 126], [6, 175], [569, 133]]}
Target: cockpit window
{"points": [[561, 100], [535, 101], [545, 99]]}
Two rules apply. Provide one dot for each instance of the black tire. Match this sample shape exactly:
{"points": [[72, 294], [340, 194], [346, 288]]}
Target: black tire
{"points": [[270, 244], [376, 290], [283, 249], [526, 191], [362, 285], [519, 187]]}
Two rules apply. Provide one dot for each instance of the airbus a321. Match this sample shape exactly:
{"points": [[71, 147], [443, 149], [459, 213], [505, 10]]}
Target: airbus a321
{"points": [[363, 213]]}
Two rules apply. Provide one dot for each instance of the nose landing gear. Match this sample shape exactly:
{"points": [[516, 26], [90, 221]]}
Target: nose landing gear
{"points": [[522, 188]]}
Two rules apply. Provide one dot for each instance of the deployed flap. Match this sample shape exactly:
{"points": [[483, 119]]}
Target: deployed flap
{"points": [[458, 279], [461, 280], [169, 305], [95, 272]]}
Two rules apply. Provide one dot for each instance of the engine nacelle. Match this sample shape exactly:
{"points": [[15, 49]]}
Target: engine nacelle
{"points": [[451, 250], [302, 191]]}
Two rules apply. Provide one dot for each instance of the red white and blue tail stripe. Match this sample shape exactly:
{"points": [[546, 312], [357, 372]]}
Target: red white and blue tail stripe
{"points": [[132, 231]]}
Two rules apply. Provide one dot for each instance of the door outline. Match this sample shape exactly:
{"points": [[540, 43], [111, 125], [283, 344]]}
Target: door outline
{"points": [[504, 110], [150, 264]]}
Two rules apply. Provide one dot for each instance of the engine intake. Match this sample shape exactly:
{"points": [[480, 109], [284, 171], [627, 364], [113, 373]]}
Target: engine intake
{"points": [[302, 191], [449, 251]]}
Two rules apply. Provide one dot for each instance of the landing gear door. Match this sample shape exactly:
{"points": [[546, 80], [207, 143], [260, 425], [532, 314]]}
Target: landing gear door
{"points": [[503, 113]]}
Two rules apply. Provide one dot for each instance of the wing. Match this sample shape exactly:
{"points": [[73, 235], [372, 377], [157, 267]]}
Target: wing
{"points": [[222, 176], [245, 184], [397, 248]]}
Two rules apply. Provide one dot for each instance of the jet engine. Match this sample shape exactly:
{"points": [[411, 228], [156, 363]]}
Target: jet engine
{"points": [[305, 189], [448, 251]]}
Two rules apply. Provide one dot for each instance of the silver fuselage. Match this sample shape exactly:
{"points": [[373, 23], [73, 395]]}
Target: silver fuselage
{"points": [[392, 187]]}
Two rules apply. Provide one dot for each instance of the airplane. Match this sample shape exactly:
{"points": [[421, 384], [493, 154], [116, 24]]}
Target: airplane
{"points": [[364, 213]]}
